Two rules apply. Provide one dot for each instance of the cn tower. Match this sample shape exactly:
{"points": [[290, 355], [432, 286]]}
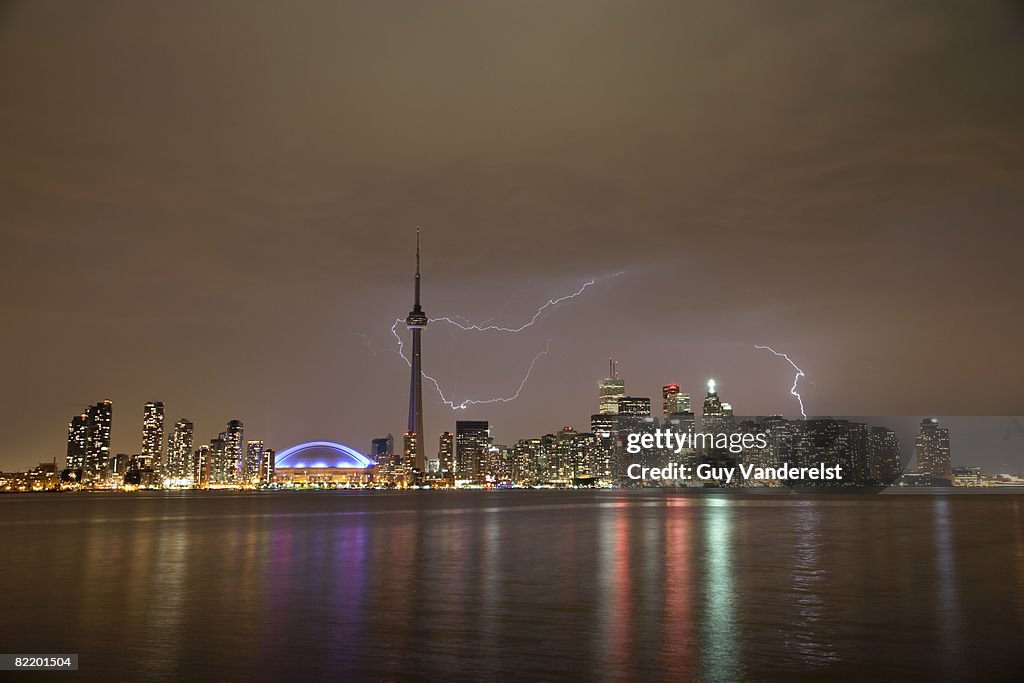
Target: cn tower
{"points": [[416, 321]]}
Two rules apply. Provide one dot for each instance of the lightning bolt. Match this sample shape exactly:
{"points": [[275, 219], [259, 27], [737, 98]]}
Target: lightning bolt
{"points": [[485, 327], [469, 401], [796, 378]]}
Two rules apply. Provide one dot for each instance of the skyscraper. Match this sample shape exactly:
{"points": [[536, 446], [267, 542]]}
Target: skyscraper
{"points": [[884, 463], [673, 401], [267, 466], [610, 390], [933, 450], [233, 450], [78, 440], [179, 468], [153, 435], [382, 451], [202, 464], [415, 322], [218, 464], [472, 437], [634, 406], [251, 463], [446, 454], [97, 448]]}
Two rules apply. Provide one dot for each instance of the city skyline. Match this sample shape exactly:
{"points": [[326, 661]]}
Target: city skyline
{"points": [[181, 229], [974, 435]]}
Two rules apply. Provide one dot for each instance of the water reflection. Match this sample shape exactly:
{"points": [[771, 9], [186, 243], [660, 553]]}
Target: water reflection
{"points": [[720, 652], [946, 603], [532, 585]]}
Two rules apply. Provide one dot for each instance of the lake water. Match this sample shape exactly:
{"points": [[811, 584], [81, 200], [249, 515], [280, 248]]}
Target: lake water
{"points": [[534, 584]]}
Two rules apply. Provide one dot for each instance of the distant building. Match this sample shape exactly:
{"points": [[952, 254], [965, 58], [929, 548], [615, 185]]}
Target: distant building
{"points": [[233, 440], [153, 435], [221, 468], [251, 462], [472, 439], [97, 448], [607, 448], [633, 406], [382, 451], [932, 450], [446, 455], [202, 464], [179, 468], [267, 467], [884, 462], [610, 390], [78, 441], [673, 401], [832, 442]]}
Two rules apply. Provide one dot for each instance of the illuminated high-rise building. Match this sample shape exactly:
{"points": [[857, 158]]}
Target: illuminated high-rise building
{"points": [[884, 462], [416, 321], [153, 435], [713, 418], [178, 467], [97, 448], [634, 406], [932, 450], [446, 454], [606, 450], [78, 440], [251, 462], [382, 451], [472, 439], [233, 440], [218, 463], [267, 466], [673, 401], [610, 390], [203, 465]]}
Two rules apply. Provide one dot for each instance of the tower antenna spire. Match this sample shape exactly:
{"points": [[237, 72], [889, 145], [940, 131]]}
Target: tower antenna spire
{"points": [[417, 301]]}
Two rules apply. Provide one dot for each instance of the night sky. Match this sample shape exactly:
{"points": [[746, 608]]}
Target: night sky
{"points": [[214, 205]]}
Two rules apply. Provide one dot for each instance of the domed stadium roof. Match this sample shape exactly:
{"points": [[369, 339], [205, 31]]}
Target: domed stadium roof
{"points": [[321, 454]]}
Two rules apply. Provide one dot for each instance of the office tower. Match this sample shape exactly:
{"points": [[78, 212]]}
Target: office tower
{"points": [[153, 435], [251, 463], [606, 448], [416, 322], [526, 465], [717, 416], [932, 450], [673, 401], [382, 451], [446, 454], [610, 390], [97, 448], [780, 440], [832, 442], [267, 467], [233, 450], [178, 469], [472, 438], [202, 462], [634, 406], [78, 441], [884, 461]]}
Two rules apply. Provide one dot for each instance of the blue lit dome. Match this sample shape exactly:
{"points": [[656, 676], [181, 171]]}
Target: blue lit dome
{"points": [[321, 454]]}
